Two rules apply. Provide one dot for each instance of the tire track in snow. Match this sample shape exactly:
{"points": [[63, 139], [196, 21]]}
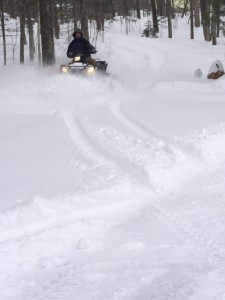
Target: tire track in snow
{"points": [[79, 127], [134, 169], [149, 158], [100, 166], [93, 152], [113, 151], [203, 242]]}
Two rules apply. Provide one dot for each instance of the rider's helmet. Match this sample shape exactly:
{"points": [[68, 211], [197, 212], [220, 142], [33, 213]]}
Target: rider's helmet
{"points": [[77, 30]]}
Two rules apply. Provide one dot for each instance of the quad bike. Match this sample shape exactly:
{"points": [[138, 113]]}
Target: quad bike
{"points": [[78, 65]]}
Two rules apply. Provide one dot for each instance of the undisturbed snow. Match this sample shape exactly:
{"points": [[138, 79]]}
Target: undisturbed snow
{"points": [[113, 187]]}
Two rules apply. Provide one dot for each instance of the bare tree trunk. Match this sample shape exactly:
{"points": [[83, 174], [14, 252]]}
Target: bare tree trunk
{"points": [[112, 9], [31, 31], [218, 24], [185, 8], [125, 8], [62, 17], [99, 15], [22, 30], [84, 18], [217, 11], [191, 20], [3, 29], [214, 24], [74, 14], [205, 12], [172, 9], [138, 9], [168, 11], [197, 13], [125, 14], [47, 36], [55, 21], [12, 11], [161, 7], [154, 16], [39, 34]]}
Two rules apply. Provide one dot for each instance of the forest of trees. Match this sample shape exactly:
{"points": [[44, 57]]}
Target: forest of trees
{"points": [[48, 16]]}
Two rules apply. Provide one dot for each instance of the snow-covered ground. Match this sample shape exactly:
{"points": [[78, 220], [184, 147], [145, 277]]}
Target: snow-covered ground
{"points": [[112, 188]]}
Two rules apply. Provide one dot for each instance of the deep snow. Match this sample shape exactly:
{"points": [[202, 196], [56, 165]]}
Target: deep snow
{"points": [[112, 187]]}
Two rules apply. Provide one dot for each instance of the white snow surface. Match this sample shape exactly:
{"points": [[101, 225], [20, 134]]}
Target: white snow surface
{"points": [[112, 188]]}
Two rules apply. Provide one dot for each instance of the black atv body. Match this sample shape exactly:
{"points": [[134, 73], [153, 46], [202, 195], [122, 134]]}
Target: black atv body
{"points": [[78, 66]]}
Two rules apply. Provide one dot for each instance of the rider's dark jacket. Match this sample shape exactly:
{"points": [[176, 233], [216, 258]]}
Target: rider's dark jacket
{"points": [[80, 46]]}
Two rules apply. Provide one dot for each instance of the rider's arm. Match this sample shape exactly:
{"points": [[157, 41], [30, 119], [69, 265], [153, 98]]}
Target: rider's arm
{"points": [[91, 49], [70, 53]]}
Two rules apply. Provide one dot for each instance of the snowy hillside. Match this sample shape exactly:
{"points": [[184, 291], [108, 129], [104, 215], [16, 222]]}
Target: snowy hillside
{"points": [[112, 188]]}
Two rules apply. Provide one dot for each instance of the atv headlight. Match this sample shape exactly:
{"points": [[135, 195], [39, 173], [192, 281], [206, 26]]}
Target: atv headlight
{"points": [[64, 69], [90, 69], [77, 58]]}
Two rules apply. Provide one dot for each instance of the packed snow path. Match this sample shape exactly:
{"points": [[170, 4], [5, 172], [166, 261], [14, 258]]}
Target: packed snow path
{"points": [[108, 190]]}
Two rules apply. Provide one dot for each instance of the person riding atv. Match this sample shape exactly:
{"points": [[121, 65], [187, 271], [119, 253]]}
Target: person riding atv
{"points": [[81, 46], [80, 51]]}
